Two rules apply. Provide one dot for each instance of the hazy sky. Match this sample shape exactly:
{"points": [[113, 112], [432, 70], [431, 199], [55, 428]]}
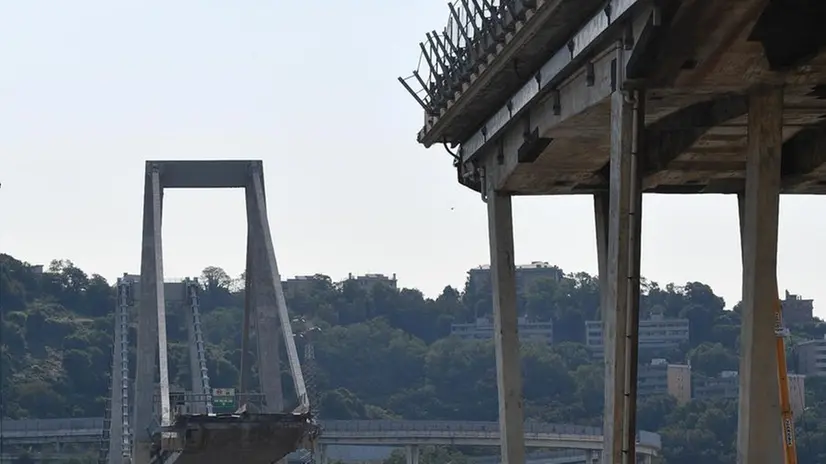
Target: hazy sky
{"points": [[89, 90]]}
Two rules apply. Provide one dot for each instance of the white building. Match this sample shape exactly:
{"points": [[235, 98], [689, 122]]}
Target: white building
{"points": [[482, 329]]}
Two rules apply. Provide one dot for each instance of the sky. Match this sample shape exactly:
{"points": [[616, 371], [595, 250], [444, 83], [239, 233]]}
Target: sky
{"points": [[91, 89]]}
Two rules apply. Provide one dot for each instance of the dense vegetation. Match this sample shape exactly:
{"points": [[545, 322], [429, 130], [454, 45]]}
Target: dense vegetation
{"points": [[385, 353]]}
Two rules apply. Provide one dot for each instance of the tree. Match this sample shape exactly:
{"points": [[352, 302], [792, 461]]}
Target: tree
{"points": [[386, 353], [215, 278]]}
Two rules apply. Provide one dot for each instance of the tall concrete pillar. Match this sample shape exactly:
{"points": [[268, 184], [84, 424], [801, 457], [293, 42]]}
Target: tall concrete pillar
{"points": [[264, 312], [759, 434], [151, 324], [412, 454], [272, 321], [508, 369], [620, 316]]}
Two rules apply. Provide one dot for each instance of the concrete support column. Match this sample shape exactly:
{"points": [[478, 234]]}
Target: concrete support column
{"points": [[620, 313], [759, 426], [508, 369], [271, 305], [412, 454], [151, 324], [262, 304], [322, 454]]}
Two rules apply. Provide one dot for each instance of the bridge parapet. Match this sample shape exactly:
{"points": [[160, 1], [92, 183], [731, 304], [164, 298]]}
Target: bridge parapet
{"points": [[358, 430], [452, 426], [50, 425]]}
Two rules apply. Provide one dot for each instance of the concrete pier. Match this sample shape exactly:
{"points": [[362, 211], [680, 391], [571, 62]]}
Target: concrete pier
{"points": [[759, 437], [508, 370]]}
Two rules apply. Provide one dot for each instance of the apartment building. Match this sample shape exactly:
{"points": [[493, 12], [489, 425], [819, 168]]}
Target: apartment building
{"points": [[368, 281], [811, 357], [482, 329], [661, 378], [656, 334], [727, 385], [299, 284], [796, 309], [526, 275]]}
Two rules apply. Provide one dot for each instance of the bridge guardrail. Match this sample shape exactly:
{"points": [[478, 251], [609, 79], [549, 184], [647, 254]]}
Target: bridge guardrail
{"points": [[17, 427], [51, 425], [452, 426]]}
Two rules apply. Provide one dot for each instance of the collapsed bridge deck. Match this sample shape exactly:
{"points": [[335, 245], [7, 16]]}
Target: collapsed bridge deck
{"points": [[247, 438]]}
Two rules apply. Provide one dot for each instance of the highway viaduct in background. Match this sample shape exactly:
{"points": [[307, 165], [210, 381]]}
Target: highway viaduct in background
{"points": [[582, 443], [623, 97]]}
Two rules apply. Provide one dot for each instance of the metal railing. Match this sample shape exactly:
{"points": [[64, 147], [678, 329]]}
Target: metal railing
{"points": [[51, 425], [14, 428], [453, 426], [448, 59]]}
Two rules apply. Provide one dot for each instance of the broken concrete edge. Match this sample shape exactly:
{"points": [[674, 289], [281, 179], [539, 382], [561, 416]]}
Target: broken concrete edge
{"points": [[173, 438]]}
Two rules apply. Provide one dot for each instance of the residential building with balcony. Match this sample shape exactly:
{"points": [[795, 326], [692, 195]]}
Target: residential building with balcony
{"points": [[656, 334], [661, 378], [482, 329]]}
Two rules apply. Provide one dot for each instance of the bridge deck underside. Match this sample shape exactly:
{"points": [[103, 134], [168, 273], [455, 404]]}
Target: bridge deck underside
{"points": [[714, 162], [696, 68], [254, 439]]}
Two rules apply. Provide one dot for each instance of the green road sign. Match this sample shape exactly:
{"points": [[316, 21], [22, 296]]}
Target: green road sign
{"points": [[223, 399]]}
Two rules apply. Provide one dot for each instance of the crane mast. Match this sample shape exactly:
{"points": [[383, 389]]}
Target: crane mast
{"points": [[781, 332]]}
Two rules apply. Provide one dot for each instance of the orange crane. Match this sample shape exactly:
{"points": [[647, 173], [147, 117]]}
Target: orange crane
{"points": [[781, 332]]}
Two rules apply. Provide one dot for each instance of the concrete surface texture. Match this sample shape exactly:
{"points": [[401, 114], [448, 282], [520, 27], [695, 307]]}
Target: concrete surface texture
{"points": [[620, 98]]}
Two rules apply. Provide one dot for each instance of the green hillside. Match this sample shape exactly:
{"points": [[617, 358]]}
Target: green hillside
{"points": [[386, 353]]}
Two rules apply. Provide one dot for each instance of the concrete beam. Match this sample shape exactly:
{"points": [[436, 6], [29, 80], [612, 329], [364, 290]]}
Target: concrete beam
{"points": [[672, 135], [759, 424], [508, 370], [203, 173], [804, 155], [587, 86]]}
